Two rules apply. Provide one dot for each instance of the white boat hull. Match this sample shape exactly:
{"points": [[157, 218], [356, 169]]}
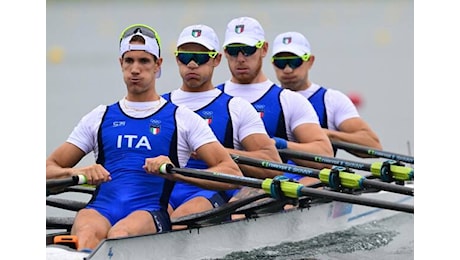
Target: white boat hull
{"points": [[248, 234]]}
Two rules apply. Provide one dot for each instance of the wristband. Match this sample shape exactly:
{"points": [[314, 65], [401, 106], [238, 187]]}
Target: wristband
{"points": [[280, 143]]}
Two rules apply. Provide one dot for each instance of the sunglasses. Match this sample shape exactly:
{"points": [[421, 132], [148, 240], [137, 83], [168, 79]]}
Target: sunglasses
{"points": [[199, 57], [140, 28], [293, 61], [246, 50]]}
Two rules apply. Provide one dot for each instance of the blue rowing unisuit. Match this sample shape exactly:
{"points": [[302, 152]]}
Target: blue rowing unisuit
{"points": [[217, 114], [124, 143], [273, 118]]}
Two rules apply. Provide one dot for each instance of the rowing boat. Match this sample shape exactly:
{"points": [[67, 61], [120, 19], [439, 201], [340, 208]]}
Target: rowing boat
{"points": [[210, 235], [206, 240], [259, 231]]}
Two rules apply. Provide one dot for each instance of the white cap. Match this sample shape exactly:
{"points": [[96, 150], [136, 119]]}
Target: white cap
{"points": [[245, 30], [151, 46], [293, 42], [201, 34]]}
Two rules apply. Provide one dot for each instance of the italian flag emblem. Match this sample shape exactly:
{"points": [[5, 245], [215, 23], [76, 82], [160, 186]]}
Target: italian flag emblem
{"points": [[287, 40], [239, 28], [196, 33], [155, 130]]}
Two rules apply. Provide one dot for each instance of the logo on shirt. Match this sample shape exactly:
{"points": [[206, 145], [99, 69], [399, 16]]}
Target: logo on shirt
{"points": [[118, 123], [155, 126], [207, 116]]}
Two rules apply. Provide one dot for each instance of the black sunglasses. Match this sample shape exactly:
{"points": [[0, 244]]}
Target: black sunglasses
{"points": [[246, 50], [199, 57], [293, 61]]}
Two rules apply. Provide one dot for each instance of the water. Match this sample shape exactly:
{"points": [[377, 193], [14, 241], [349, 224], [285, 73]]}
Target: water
{"points": [[360, 46], [389, 237]]}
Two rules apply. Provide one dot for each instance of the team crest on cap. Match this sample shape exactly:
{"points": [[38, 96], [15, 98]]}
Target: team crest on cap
{"points": [[287, 40], [239, 28], [196, 33]]}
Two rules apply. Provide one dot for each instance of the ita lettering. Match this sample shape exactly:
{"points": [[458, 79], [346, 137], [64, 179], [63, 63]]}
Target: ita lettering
{"points": [[133, 141]]}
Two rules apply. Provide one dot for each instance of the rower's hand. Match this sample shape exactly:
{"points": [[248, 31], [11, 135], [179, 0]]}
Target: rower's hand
{"points": [[95, 174], [152, 166]]}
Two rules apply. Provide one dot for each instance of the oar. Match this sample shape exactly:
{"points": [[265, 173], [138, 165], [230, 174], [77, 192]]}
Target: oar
{"points": [[54, 186], [72, 205], [373, 152], [59, 222], [333, 177], [387, 171], [290, 189], [82, 188]]}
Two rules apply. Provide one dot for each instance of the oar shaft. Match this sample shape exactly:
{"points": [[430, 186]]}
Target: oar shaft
{"points": [[72, 205], [373, 152], [348, 180], [65, 182], [388, 187], [343, 197], [55, 186], [216, 176], [283, 167], [323, 159], [289, 188]]}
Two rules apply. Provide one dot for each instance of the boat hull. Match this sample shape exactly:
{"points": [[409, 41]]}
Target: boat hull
{"points": [[219, 240]]}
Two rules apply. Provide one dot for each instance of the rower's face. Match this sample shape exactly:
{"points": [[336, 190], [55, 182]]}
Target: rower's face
{"points": [[139, 69], [196, 66], [245, 64], [291, 71]]}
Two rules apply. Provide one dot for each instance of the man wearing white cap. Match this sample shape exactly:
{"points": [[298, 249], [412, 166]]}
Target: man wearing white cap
{"points": [[131, 139], [233, 120], [289, 120], [292, 60]]}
